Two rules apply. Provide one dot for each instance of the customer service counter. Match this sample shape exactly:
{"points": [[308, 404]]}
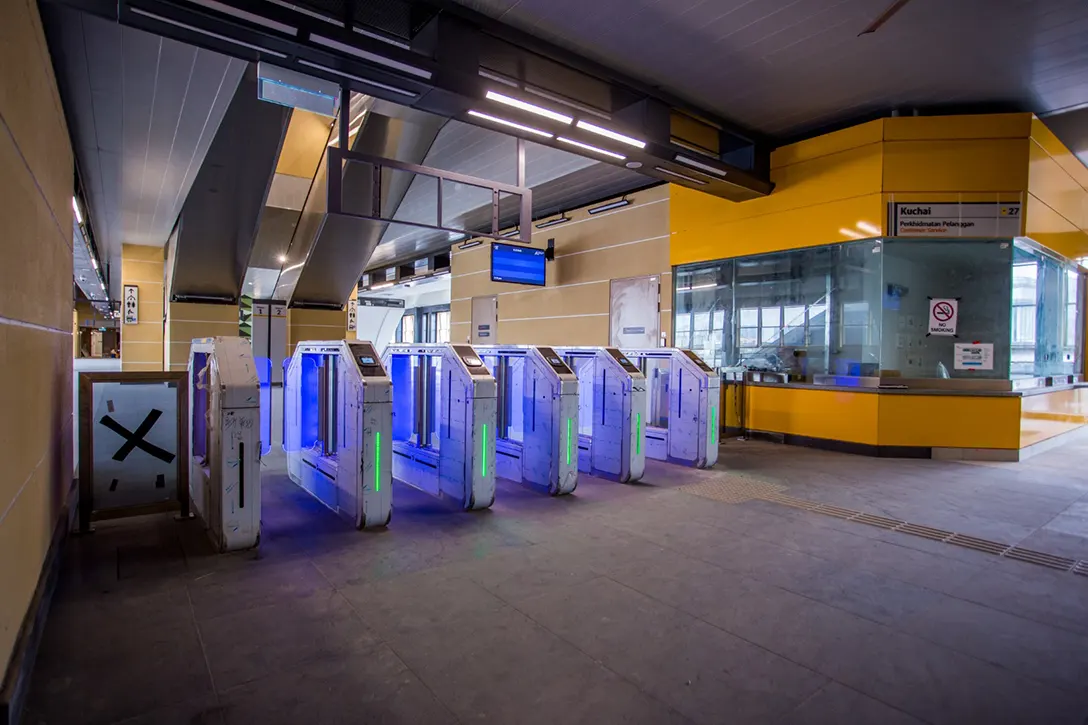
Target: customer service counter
{"points": [[903, 420]]}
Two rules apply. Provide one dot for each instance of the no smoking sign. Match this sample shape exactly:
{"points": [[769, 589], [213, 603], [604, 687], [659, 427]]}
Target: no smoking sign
{"points": [[943, 314]]}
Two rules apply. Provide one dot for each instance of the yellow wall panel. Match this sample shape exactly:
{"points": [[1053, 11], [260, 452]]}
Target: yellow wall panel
{"points": [[949, 421], [830, 143], [1054, 231], [1065, 158], [827, 414], [304, 143], [956, 165], [794, 229], [1052, 184], [988, 126], [590, 330]]}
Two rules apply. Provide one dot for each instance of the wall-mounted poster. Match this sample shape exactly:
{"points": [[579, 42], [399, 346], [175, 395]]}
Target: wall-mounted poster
{"points": [[131, 302]]}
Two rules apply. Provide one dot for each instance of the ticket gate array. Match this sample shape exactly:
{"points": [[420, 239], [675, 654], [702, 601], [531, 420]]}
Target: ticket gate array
{"points": [[337, 412], [681, 413], [224, 441], [444, 421], [536, 429], [611, 405]]}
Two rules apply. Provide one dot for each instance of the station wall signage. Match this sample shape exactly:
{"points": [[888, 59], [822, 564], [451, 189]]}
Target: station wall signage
{"points": [[969, 219]]}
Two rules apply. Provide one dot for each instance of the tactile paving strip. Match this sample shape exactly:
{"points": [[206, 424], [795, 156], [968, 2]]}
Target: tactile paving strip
{"points": [[733, 489]]}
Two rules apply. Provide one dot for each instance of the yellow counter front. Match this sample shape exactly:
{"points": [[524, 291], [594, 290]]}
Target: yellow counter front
{"points": [[953, 424]]}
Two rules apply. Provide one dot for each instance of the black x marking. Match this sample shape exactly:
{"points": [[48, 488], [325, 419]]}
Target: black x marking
{"points": [[135, 439]]}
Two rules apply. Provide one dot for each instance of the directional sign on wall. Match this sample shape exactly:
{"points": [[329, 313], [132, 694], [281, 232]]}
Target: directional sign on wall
{"points": [[132, 304], [969, 219]]}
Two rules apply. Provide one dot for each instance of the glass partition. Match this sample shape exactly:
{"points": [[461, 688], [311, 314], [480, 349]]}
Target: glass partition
{"points": [[861, 310]]}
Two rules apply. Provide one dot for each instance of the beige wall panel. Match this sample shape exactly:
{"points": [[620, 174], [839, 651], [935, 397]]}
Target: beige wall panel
{"points": [[304, 143], [31, 107], [563, 331], [24, 540], [37, 253], [181, 331], [143, 331], [632, 260], [546, 302], [26, 391], [197, 312]]}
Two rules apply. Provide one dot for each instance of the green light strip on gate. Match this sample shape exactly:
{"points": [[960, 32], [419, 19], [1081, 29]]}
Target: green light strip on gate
{"points": [[377, 460], [638, 433], [568, 441], [483, 463], [713, 422]]}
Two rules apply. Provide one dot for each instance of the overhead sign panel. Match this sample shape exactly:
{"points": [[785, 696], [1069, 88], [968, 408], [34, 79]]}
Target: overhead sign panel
{"points": [[969, 219]]}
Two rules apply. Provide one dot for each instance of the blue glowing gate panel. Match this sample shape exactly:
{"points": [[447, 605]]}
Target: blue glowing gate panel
{"points": [[310, 401]]}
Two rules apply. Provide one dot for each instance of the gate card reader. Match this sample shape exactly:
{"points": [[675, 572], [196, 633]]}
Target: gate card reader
{"points": [[681, 413], [224, 440], [444, 419], [611, 405], [338, 419], [536, 433]]}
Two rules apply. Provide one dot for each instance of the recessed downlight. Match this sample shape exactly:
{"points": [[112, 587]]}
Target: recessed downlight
{"points": [[607, 133], [509, 123], [594, 149], [528, 107]]}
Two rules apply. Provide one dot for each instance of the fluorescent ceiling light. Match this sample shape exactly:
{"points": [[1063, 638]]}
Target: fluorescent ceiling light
{"points": [[94, 263], [511, 233], [678, 175], [607, 207], [511, 124], [529, 107], [497, 78], [594, 149], [208, 33], [561, 220], [75, 208], [699, 165], [372, 57], [470, 245], [593, 128], [382, 38], [567, 102], [851, 233], [243, 15], [381, 285], [868, 227], [367, 81]]}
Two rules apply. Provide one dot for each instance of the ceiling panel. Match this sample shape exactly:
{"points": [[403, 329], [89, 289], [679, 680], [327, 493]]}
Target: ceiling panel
{"points": [[142, 112], [786, 67]]}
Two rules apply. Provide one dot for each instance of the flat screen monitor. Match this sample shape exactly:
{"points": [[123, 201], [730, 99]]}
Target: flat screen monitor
{"points": [[517, 265]]}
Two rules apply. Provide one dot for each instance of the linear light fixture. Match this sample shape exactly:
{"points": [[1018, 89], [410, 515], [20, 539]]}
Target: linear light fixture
{"points": [[594, 149], [381, 285], [553, 222], [567, 102], [372, 57], [202, 31], [512, 233], [601, 131], [382, 38], [75, 208], [94, 263], [470, 245], [367, 81], [608, 207], [243, 15], [511, 124], [678, 175], [497, 78], [699, 165], [529, 107]]}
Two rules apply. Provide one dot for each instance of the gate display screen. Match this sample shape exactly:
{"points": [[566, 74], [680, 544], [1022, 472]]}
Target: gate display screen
{"points": [[517, 265]]}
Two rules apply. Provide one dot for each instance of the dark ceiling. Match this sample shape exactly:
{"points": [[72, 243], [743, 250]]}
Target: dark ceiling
{"points": [[791, 67]]}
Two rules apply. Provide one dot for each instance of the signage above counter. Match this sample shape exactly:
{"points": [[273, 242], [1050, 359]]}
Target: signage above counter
{"points": [[969, 219]]}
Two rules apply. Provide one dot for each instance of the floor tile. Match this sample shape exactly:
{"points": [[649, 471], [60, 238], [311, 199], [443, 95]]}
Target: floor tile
{"points": [[257, 642], [836, 704], [696, 668]]}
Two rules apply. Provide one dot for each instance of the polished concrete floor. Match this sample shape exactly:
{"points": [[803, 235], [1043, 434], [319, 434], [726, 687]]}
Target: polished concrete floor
{"points": [[654, 603]]}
